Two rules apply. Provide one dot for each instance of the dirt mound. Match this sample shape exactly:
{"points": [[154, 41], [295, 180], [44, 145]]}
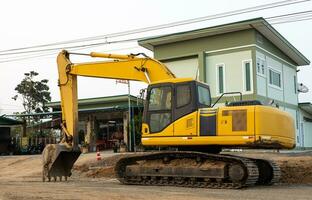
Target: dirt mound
{"points": [[98, 168], [296, 170]]}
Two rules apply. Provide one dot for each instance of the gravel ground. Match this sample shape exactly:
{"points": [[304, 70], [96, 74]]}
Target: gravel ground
{"points": [[20, 178]]}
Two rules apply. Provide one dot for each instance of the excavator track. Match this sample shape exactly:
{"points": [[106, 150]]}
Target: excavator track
{"points": [[188, 169], [269, 171]]}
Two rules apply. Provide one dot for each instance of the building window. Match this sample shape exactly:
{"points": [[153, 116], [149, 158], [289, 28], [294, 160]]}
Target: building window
{"points": [[247, 75], [275, 78], [261, 66], [220, 78]]}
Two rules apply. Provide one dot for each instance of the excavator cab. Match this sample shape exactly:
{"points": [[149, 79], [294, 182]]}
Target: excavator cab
{"points": [[168, 101]]}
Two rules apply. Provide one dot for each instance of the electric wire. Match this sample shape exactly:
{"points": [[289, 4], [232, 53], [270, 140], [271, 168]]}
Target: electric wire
{"points": [[280, 19], [168, 25]]}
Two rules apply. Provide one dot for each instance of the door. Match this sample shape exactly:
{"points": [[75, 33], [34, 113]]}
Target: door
{"points": [[159, 114]]}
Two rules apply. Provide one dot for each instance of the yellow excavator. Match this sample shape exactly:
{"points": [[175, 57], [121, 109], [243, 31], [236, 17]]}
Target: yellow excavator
{"points": [[178, 113]]}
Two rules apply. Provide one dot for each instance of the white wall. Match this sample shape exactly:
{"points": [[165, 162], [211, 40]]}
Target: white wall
{"points": [[287, 93], [305, 129], [290, 92], [307, 133], [184, 68], [294, 113], [274, 92], [234, 74], [261, 78]]}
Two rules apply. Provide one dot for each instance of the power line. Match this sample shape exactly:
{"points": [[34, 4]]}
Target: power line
{"points": [[290, 21], [168, 25], [19, 58], [298, 16], [294, 16], [307, 17], [70, 47], [289, 14]]}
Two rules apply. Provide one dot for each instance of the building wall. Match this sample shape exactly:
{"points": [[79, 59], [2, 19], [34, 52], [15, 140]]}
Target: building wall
{"points": [[184, 67], [194, 46], [307, 134], [231, 50], [233, 71], [285, 96], [287, 92], [305, 128]]}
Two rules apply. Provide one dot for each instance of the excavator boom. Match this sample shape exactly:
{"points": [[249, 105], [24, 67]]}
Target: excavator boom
{"points": [[59, 159]]}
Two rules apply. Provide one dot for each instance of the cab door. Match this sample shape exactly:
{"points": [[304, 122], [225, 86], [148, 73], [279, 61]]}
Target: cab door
{"points": [[159, 110], [185, 112]]}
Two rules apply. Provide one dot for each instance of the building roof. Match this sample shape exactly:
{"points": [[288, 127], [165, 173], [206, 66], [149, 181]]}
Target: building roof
{"points": [[98, 104], [4, 121], [260, 24], [306, 106], [85, 110], [97, 100]]}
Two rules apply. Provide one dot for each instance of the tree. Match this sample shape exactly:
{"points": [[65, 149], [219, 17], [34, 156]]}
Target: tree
{"points": [[34, 94]]}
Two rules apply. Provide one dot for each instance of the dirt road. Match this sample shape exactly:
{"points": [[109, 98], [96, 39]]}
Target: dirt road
{"points": [[20, 179]]}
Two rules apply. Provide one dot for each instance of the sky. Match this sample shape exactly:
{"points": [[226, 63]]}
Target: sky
{"points": [[36, 22]]}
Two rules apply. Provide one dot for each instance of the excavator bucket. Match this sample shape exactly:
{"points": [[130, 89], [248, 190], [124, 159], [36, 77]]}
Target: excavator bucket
{"points": [[58, 161]]}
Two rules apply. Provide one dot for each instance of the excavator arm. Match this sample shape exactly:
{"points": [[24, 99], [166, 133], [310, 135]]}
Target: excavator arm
{"points": [[129, 67], [59, 159]]}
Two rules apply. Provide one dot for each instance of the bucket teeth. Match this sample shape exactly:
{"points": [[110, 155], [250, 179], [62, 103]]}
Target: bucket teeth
{"points": [[58, 161]]}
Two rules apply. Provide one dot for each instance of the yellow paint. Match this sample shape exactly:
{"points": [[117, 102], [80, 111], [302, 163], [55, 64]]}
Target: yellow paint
{"points": [[264, 126], [233, 141], [167, 132], [225, 123], [173, 80], [129, 67], [271, 121], [245, 126], [186, 126]]}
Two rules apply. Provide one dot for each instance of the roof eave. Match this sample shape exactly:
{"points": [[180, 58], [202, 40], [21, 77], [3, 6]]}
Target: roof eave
{"points": [[260, 24], [306, 106]]}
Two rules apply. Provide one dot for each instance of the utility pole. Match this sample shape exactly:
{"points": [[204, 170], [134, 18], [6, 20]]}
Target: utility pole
{"points": [[129, 118], [129, 114]]}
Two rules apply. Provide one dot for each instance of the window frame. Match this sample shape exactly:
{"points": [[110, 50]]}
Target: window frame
{"points": [[281, 78], [149, 112], [295, 84], [148, 103], [244, 75], [200, 105], [176, 99], [217, 78], [265, 67]]}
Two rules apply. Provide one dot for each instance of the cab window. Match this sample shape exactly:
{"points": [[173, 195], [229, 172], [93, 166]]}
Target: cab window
{"points": [[159, 108], [160, 99], [183, 95], [203, 95]]}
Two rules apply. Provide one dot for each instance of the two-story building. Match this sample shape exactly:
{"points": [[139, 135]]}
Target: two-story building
{"points": [[247, 56]]}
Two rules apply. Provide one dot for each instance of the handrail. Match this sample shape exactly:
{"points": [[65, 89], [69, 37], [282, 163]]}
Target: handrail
{"points": [[226, 93]]}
